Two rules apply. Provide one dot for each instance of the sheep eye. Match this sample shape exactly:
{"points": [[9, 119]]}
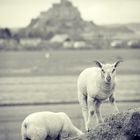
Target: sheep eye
{"points": [[113, 70], [103, 71]]}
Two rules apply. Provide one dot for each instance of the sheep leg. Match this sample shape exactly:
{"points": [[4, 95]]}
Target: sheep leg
{"points": [[91, 111], [83, 103], [23, 137], [113, 102], [98, 112], [39, 134]]}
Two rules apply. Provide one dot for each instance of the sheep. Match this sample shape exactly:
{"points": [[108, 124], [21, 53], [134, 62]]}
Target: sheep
{"points": [[48, 126], [95, 85]]}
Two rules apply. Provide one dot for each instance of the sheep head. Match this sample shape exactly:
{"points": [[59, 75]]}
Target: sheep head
{"points": [[108, 71]]}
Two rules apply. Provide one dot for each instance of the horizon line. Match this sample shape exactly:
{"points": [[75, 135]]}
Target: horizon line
{"points": [[102, 24]]}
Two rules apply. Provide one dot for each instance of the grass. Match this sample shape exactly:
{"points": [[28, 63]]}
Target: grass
{"points": [[58, 88], [64, 62], [30, 77]]}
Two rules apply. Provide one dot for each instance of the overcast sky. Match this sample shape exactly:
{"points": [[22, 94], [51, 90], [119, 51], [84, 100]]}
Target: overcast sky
{"points": [[18, 13]]}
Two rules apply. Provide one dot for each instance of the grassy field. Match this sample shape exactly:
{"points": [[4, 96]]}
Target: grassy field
{"points": [[58, 88], [41, 77], [50, 76], [64, 62]]}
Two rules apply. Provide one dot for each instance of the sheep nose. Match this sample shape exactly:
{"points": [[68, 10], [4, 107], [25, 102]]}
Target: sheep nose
{"points": [[108, 77]]}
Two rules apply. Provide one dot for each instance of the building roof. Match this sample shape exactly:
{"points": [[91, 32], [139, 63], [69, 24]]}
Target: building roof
{"points": [[59, 38]]}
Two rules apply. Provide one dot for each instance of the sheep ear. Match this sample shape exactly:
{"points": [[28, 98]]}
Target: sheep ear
{"points": [[117, 63], [99, 64]]}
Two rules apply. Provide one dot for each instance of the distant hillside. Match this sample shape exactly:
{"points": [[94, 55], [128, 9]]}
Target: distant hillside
{"points": [[134, 26], [65, 18], [62, 17], [130, 30], [118, 28]]}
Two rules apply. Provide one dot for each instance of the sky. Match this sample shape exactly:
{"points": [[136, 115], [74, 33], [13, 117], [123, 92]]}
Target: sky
{"points": [[18, 13]]}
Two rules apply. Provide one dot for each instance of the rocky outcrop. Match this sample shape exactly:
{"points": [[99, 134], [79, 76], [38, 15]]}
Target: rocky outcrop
{"points": [[60, 13], [65, 18], [62, 17], [122, 126]]}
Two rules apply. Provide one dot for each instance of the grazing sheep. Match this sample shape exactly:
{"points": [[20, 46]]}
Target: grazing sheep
{"points": [[48, 126], [95, 85]]}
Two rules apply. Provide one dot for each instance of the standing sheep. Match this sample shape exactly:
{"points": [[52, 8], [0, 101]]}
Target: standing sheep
{"points": [[48, 126], [95, 85]]}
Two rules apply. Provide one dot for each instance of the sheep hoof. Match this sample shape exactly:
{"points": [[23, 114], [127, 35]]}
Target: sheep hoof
{"points": [[88, 129]]}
